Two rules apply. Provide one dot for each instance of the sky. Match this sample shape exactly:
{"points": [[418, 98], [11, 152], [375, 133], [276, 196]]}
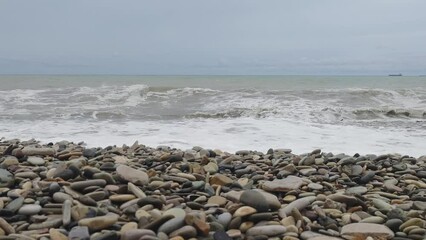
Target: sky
{"points": [[220, 37]]}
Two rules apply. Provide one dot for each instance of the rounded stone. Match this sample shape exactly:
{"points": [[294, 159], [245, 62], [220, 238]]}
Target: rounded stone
{"points": [[289, 198], [88, 183], [36, 161], [244, 211], [185, 232], [254, 199], [221, 201], [99, 223], [364, 230], [373, 219], [315, 186], [393, 224], [176, 212], [360, 190], [78, 233], [224, 219], [136, 234], [6, 178], [132, 175], [29, 209], [267, 230]]}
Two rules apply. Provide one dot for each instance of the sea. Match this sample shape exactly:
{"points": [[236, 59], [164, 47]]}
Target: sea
{"points": [[338, 114]]}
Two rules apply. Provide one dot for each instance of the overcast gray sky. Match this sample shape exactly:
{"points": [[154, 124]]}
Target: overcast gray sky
{"points": [[213, 37]]}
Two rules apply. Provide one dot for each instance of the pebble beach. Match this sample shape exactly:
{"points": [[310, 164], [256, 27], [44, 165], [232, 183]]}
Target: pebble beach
{"points": [[65, 190]]}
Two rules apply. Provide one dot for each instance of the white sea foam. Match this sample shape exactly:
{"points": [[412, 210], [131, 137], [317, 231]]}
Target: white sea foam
{"points": [[227, 134], [243, 116]]}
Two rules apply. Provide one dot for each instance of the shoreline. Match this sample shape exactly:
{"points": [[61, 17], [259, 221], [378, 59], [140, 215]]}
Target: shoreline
{"points": [[64, 190]]}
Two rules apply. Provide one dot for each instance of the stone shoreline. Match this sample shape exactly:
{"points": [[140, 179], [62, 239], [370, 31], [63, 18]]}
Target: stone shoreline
{"points": [[66, 191]]}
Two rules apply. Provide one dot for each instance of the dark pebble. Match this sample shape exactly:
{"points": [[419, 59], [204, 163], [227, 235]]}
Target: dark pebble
{"points": [[367, 177], [79, 233], [157, 203], [221, 235]]}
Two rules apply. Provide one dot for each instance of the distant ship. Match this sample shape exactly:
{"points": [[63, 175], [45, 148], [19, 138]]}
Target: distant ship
{"points": [[395, 75]]}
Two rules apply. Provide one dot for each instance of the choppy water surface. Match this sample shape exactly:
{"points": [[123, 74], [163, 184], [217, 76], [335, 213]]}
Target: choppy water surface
{"points": [[339, 114]]}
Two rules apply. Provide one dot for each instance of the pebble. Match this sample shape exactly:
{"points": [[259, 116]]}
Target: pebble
{"points": [[315, 186], [132, 175], [79, 233], [99, 223], [66, 191], [244, 211], [283, 185], [378, 231], [29, 209], [254, 199], [36, 161], [299, 204], [6, 178], [270, 231]]}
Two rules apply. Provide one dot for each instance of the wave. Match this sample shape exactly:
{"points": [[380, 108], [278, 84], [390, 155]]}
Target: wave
{"points": [[143, 102], [389, 113]]}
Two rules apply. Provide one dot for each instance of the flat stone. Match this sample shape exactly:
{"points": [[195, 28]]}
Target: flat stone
{"points": [[136, 234], [6, 178], [29, 209], [79, 233], [263, 216], [221, 235], [283, 185], [50, 223], [211, 168], [349, 200], [360, 190], [99, 223], [88, 183], [136, 190], [57, 235], [128, 226], [413, 222], [272, 200], [121, 197], [394, 224], [224, 219], [9, 161], [185, 232], [81, 211], [299, 204], [172, 225], [254, 199], [244, 211], [7, 228], [419, 205], [220, 179], [378, 231], [132, 175], [15, 204], [66, 212], [31, 151], [381, 205], [61, 197], [315, 186], [221, 201], [289, 198], [157, 203], [307, 171], [36, 161], [373, 219], [267, 230], [176, 212]]}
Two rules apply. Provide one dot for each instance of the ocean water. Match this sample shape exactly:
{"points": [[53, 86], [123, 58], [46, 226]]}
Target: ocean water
{"points": [[350, 114]]}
